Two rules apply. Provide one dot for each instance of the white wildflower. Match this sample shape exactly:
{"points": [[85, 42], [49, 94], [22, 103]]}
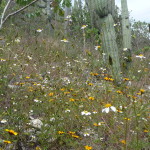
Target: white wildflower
{"points": [[3, 121], [86, 134], [97, 47], [64, 40], [84, 26], [86, 113], [109, 107], [39, 30], [141, 56], [17, 40], [67, 110], [125, 49]]}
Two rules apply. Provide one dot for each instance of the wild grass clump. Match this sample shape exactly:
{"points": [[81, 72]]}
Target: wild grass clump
{"points": [[55, 97]]}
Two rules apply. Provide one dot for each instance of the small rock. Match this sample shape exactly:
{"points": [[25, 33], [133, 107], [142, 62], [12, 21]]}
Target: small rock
{"points": [[37, 123]]}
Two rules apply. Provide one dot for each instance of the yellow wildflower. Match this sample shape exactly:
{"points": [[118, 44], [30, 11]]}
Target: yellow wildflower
{"points": [[119, 92], [66, 93], [128, 119], [90, 84], [71, 89], [119, 111], [71, 100], [11, 132], [88, 147], [61, 132], [138, 93], [98, 124], [27, 77], [51, 100], [111, 79], [123, 141], [134, 97], [70, 132], [75, 136], [126, 79], [7, 142], [94, 74], [142, 91], [38, 148], [91, 98], [62, 89], [107, 105], [51, 94], [146, 131]]}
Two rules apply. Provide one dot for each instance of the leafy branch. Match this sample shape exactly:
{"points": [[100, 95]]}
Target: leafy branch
{"points": [[3, 20]]}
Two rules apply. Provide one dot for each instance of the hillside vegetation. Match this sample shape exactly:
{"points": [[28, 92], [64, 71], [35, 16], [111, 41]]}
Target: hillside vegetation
{"points": [[55, 96]]}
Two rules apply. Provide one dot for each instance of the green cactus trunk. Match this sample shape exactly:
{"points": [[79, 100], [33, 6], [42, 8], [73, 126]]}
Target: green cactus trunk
{"points": [[126, 32], [110, 47], [105, 9]]}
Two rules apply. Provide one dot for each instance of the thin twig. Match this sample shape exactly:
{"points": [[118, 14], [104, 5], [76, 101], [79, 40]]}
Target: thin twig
{"points": [[14, 13], [3, 14]]}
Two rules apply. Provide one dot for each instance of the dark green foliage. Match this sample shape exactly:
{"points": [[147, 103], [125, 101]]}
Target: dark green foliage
{"points": [[23, 2]]}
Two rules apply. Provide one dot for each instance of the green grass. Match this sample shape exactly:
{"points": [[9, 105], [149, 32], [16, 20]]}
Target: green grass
{"points": [[55, 82]]}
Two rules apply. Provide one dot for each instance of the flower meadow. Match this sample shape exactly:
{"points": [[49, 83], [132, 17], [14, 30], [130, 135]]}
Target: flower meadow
{"points": [[56, 93]]}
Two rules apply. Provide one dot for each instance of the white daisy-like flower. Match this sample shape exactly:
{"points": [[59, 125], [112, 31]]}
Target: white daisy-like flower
{"points": [[125, 49], [95, 112], [64, 40], [86, 113], [17, 40], [103, 54], [84, 26], [67, 110], [1, 59], [52, 119], [29, 57], [68, 17], [141, 56], [37, 101], [66, 80], [97, 47], [86, 134], [39, 30], [3, 121], [115, 25], [109, 107]]}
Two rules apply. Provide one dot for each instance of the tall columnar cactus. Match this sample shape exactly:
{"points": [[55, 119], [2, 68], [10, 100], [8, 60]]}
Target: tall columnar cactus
{"points": [[105, 9], [110, 46], [126, 32]]}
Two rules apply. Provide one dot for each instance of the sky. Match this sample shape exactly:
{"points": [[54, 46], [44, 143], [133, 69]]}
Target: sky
{"points": [[139, 9]]}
